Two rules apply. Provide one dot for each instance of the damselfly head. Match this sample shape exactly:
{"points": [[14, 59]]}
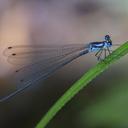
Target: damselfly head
{"points": [[108, 40]]}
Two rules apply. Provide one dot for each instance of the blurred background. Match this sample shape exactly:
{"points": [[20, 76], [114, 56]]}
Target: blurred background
{"points": [[103, 103]]}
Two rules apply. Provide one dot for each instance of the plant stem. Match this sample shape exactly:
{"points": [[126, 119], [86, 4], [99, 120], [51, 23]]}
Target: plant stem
{"points": [[81, 83]]}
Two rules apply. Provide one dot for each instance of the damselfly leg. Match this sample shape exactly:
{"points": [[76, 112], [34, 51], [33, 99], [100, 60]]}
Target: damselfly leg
{"points": [[108, 50], [105, 53], [98, 54], [102, 53]]}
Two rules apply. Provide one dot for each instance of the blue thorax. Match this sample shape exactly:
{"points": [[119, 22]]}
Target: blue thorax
{"points": [[96, 46]]}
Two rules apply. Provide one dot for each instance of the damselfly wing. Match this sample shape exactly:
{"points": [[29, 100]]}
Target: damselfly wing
{"points": [[38, 62]]}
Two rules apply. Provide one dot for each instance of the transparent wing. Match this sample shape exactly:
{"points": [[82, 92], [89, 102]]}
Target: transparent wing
{"points": [[43, 61], [21, 55]]}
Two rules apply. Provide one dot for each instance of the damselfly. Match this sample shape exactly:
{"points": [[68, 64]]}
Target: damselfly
{"points": [[37, 62]]}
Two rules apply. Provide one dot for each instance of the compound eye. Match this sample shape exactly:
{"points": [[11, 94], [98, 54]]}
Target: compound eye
{"points": [[107, 37]]}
